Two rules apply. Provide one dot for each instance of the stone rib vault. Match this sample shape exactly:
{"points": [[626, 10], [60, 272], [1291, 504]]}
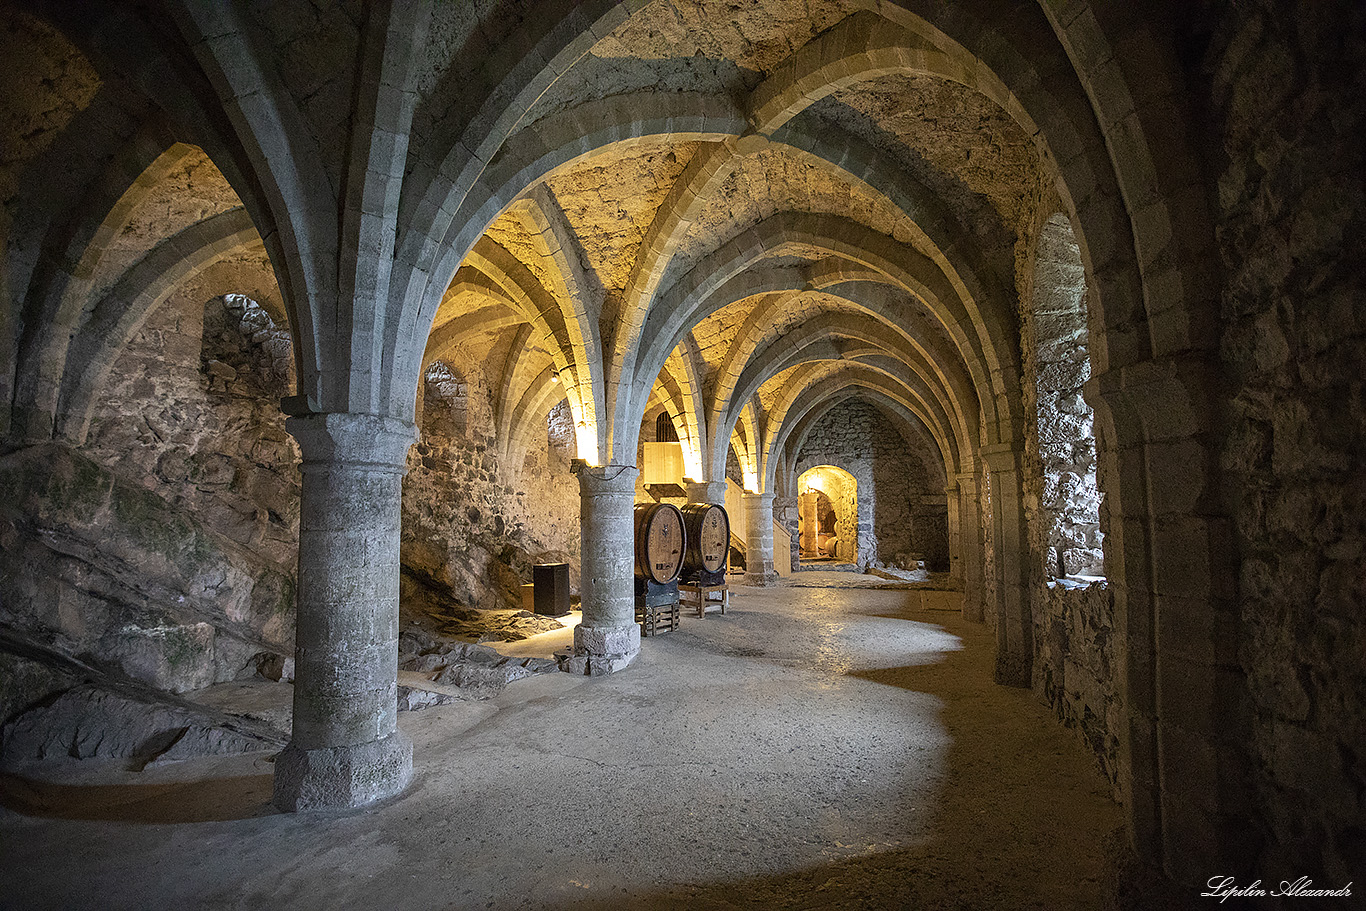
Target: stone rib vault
{"points": [[316, 312]]}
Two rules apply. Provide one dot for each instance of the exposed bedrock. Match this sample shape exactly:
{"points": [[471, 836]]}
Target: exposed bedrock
{"points": [[100, 569]]}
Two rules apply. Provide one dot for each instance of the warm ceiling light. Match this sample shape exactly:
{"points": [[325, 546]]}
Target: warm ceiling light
{"points": [[554, 377]]}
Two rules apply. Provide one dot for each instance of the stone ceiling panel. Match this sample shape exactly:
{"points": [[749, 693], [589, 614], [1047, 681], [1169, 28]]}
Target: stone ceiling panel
{"points": [[191, 191], [711, 46], [954, 139], [715, 333], [770, 182], [611, 200], [507, 231], [757, 38], [775, 389]]}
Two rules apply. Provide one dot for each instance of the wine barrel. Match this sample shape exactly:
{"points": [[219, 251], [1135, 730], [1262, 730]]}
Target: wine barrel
{"points": [[708, 529], [660, 542]]}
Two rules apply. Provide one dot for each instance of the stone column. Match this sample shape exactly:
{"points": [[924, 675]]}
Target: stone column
{"points": [[759, 539], [706, 492], [970, 541], [608, 639], [955, 533], [346, 749], [1015, 627]]}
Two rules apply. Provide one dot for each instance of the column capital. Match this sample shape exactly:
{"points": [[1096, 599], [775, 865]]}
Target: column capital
{"points": [[706, 491], [765, 499], [606, 480], [370, 440]]}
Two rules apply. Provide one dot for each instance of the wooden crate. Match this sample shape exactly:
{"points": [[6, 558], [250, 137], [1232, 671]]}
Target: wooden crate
{"points": [[656, 619]]}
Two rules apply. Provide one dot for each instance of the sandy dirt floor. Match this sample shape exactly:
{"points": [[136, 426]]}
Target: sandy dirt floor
{"points": [[813, 748]]}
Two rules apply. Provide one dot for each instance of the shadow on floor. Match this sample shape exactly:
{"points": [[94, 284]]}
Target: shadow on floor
{"points": [[209, 800], [996, 831]]}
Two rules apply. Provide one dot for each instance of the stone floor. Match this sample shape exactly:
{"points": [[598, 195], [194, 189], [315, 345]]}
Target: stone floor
{"points": [[812, 748]]}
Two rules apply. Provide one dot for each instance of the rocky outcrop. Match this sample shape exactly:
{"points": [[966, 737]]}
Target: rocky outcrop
{"points": [[102, 570], [414, 699], [463, 670], [52, 705], [90, 722]]}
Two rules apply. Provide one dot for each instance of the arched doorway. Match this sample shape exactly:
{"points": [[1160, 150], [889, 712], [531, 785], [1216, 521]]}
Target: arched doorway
{"points": [[827, 515]]}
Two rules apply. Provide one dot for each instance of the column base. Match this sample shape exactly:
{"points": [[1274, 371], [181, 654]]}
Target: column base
{"points": [[342, 777], [761, 579], [600, 650]]}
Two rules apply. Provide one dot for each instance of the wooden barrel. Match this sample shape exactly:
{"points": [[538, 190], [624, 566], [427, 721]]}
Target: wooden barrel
{"points": [[708, 529], [660, 541]]}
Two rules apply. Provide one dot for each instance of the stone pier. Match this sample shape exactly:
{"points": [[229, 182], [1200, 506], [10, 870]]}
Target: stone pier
{"points": [[759, 539], [608, 639], [345, 750]]}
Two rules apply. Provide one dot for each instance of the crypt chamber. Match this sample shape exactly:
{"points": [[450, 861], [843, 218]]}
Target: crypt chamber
{"points": [[327, 327]]}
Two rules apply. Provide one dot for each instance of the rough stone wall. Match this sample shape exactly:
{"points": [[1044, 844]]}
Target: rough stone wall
{"points": [[899, 482], [1070, 499], [1285, 82], [1074, 668], [473, 529], [191, 411], [893, 521], [840, 440]]}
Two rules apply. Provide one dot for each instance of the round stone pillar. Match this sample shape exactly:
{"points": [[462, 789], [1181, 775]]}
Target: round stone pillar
{"points": [[607, 639], [759, 539], [706, 492], [346, 749]]}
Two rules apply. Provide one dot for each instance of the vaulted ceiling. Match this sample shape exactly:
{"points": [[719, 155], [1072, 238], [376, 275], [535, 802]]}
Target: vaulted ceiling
{"points": [[734, 212], [795, 228]]}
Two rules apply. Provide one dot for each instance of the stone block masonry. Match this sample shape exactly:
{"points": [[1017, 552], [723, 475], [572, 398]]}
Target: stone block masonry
{"points": [[1290, 235]]}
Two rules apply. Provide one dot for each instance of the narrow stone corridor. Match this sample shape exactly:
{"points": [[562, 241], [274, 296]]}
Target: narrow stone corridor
{"points": [[812, 748]]}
